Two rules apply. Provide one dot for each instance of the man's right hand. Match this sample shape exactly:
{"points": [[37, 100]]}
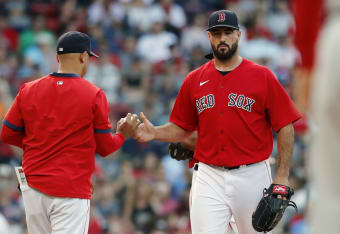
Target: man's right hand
{"points": [[146, 131], [128, 125]]}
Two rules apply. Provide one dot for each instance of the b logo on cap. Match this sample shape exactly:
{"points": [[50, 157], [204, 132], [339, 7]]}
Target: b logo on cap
{"points": [[221, 17]]}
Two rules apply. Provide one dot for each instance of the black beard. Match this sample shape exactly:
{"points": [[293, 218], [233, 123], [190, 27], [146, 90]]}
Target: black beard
{"points": [[227, 54]]}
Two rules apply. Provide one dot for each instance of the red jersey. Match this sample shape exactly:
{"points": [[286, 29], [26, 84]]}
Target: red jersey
{"points": [[60, 121], [234, 113]]}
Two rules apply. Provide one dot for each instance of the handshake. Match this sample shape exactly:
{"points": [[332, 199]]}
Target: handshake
{"points": [[145, 131], [130, 126]]}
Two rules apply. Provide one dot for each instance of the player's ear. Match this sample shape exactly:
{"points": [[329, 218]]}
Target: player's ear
{"points": [[239, 34], [82, 57], [209, 35], [57, 56]]}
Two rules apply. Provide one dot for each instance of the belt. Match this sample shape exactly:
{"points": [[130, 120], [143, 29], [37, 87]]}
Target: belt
{"points": [[227, 168]]}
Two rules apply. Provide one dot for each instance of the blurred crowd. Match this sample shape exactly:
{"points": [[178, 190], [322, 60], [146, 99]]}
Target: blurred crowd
{"points": [[146, 48]]}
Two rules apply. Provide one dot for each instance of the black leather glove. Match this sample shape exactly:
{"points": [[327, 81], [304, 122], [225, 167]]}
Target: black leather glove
{"points": [[271, 207], [178, 152]]}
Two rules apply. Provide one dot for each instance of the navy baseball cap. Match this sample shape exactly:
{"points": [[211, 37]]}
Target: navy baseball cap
{"points": [[74, 42], [223, 18]]}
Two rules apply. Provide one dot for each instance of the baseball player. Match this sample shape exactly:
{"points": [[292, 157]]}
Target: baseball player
{"points": [[60, 121], [234, 104]]}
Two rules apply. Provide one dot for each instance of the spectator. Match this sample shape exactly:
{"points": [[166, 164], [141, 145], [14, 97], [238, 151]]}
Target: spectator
{"points": [[42, 53], [158, 41], [17, 18], [169, 13], [138, 17], [280, 21], [128, 53], [8, 35], [143, 214], [195, 36], [105, 75], [104, 12], [135, 84], [28, 36]]}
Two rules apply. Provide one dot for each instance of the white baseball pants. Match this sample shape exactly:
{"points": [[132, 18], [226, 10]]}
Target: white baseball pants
{"points": [[55, 215], [217, 194], [232, 224]]}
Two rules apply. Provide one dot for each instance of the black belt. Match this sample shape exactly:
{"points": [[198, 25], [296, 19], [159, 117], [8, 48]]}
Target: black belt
{"points": [[227, 168]]}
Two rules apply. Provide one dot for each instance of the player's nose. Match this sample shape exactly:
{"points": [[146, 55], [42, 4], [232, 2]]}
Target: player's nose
{"points": [[224, 37]]}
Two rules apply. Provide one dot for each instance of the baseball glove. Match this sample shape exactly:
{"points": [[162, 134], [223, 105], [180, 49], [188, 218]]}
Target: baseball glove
{"points": [[178, 152], [271, 208]]}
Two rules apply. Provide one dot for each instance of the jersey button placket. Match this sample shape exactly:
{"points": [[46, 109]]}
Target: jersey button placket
{"points": [[221, 110], [221, 94], [223, 147]]}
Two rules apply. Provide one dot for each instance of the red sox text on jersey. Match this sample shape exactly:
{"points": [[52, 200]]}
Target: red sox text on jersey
{"points": [[235, 100]]}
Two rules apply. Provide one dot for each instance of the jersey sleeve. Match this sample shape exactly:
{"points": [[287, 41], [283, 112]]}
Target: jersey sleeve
{"points": [[13, 130], [184, 113], [106, 142], [101, 114], [280, 108]]}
